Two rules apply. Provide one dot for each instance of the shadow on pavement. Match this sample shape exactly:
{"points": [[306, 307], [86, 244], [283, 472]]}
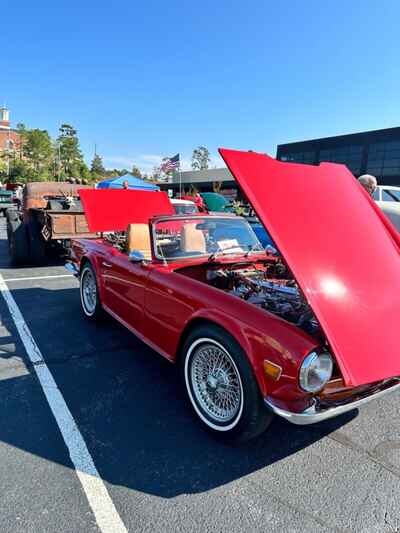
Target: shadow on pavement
{"points": [[129, 407]]}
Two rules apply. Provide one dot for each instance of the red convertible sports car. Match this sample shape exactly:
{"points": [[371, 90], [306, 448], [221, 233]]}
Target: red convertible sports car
{"points": [[306, 331]]}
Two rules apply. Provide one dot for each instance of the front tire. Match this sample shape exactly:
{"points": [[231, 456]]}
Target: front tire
{"points": [[89, 292], [221, 385]]}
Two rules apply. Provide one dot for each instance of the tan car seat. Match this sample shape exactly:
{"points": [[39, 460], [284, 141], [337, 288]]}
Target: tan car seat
{"points": [[192, 239], [138, 238]]}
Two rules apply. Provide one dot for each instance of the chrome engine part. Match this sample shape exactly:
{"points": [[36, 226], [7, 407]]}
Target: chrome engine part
{"points": [[281, 297]]}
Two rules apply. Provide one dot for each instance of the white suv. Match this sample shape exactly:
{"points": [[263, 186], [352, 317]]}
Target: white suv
{"points": [[387, 193]]}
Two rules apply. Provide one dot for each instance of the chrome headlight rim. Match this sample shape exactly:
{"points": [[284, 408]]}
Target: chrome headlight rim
{"points": [[309, 365]]}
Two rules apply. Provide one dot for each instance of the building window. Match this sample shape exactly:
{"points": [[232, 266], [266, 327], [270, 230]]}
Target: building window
{"points": [[299, 157], [348, 155], [384, 159], [9, 144]]}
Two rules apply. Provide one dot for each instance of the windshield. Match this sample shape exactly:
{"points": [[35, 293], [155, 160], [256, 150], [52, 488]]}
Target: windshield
{"points": [[185, 209], [204, 236]]}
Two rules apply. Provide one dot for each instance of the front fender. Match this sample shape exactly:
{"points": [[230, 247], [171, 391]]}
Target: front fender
{"points": [[258, 346]]}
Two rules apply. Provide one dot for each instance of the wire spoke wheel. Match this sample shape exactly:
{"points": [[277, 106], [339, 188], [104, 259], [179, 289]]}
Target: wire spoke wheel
{"points": [[89, 291], [216, 383]]}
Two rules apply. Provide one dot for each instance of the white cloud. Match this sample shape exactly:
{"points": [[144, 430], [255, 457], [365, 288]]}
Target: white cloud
{"points": [[146, 162]]}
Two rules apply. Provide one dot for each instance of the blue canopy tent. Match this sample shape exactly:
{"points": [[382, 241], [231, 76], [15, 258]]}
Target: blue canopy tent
{"points": [[134, 183]]}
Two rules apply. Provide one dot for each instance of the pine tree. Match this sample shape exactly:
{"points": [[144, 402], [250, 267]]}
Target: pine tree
{"points": [[70, 153], [97, 169]]}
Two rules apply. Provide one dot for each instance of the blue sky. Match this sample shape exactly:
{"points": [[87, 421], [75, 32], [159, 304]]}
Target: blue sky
{"points": [[147, 79]]}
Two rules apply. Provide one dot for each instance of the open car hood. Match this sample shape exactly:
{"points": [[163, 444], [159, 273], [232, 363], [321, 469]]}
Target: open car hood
{"points": [[343, 252], [114, 209]]}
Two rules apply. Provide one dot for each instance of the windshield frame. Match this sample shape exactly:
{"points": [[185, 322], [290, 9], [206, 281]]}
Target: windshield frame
{"points": [[193, 216]]}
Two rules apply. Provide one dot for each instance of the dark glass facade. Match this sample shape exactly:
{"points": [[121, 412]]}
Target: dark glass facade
{"points": [[373, 152]]}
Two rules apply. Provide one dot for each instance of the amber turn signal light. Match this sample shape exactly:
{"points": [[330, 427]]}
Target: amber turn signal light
{"points": [[272, 370]]}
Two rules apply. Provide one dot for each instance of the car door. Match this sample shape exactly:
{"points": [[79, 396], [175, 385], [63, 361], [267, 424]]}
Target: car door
{"points": [[123, 284]]}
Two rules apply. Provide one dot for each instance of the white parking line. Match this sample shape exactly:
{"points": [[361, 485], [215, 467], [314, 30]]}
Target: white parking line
{"points": [[106, 515], [55, 276]]}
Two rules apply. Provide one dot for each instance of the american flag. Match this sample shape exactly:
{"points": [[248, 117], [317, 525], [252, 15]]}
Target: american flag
{"points": [[170, 164]]}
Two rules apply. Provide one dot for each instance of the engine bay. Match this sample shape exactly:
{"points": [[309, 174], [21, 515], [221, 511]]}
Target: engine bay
{"points": [[268, 285]]}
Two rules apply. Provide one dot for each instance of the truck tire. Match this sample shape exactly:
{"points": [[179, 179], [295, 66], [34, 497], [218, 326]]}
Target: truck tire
{"points": [[18, 243], [37, 244]]}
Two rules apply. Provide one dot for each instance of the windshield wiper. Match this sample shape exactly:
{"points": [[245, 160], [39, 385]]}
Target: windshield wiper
{"points": [[222, 252], [257, 247]]}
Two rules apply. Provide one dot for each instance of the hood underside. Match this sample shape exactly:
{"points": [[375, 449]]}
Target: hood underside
{"points": [[341, 251], [114, 209]]}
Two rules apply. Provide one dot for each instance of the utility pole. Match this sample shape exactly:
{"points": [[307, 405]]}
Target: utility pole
{"points": [[59, 160]]}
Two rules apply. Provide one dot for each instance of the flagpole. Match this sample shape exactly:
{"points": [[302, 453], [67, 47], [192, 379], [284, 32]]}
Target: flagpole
{"points": [[180, 179]]}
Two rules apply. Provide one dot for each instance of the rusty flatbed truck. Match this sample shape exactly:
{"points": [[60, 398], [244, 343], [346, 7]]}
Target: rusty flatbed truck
{"points": [[50, 215]]}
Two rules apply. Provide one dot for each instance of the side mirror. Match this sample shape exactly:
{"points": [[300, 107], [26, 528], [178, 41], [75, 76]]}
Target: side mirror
{"points": [[136, 256]]}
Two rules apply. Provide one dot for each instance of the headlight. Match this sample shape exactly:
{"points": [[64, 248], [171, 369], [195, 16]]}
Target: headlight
{"points": [[315, 371]]}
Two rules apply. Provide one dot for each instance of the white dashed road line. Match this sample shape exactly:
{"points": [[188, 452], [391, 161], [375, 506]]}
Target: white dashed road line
{"points": [[107, 517], [55, 276]]}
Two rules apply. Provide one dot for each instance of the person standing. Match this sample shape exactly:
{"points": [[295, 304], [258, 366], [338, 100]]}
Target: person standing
{"points": [[125, 184], [369, 183]]}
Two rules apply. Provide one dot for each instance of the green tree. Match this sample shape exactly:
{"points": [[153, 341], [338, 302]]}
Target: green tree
{"points": [[22, 171], [70, 154], [97, 169], [200, 158], [37, 149], [111, 173], [84, 172], [156, 174], [3, 168], [22, 132], [136, 172]]}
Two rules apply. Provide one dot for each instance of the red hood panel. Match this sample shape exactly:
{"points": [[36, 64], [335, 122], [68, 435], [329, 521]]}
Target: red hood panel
{"points": [[114, 209], [344, 257]]}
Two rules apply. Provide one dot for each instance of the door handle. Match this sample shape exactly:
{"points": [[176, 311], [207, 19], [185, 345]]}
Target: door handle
{"points": [[107, 265]]}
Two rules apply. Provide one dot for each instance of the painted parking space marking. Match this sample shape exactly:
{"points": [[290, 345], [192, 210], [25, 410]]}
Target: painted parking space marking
{"points": [[106, 515], [33, 278]]}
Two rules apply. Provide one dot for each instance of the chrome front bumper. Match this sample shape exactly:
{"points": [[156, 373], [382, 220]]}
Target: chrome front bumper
{"points": [[317, 413]]}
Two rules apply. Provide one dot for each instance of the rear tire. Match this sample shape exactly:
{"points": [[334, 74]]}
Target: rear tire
{"points": [[221, 386], [89, 292], [18, 243], [37, 244]]}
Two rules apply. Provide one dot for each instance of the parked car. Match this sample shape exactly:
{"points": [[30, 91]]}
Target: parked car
{"points": [[306, 335], [216, 202], [183, 207], [392, 211], [6, 201], [261, 233], [387, 193]]}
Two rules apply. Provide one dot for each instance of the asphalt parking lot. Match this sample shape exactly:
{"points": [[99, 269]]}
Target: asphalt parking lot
{"points": [[161, 471]]}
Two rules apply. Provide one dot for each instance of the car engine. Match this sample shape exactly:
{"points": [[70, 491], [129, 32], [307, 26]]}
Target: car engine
{"points": [[279, 295]]}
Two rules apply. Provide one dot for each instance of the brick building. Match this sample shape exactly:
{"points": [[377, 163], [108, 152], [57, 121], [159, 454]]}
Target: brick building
{"points": [[9, 137]]}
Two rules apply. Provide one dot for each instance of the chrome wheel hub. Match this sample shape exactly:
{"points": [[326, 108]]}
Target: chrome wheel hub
{"points": [[89, 292], [216, 383]]}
